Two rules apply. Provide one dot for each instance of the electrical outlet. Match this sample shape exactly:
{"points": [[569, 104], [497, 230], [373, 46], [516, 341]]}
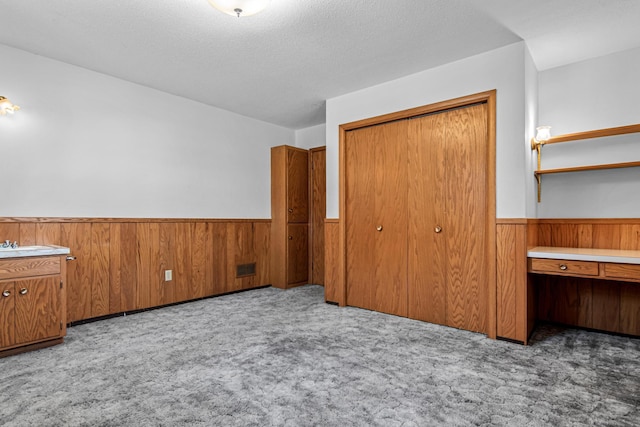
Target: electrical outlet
{"points": [[168, 275]]}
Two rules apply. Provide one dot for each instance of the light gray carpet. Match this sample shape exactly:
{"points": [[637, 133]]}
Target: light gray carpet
{"points": [[285, 358]]}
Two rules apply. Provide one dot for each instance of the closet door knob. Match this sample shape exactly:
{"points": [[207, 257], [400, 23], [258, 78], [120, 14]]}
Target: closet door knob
{"points": [[290, 210], [379, 228], [6, 294], [23, 291], [438, 229], [290, 237]]}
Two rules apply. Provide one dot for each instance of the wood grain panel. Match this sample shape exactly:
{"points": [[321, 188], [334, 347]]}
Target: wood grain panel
{"points": [[391, 212], [297, 185], [164, 247], [630, 309], [221, 260], [605, 309], [120, 265], [512, 286], [359, 216], [41, 295], [279, 215], [183, 282], [100, 292], [201, 259], [7, 314], [27, 234], [77, 237], [466, 229], [143, 264], [630, 236], [318, 200], [9, 231], [128, 268], [332, 288], [48, 233], [297, 254], [261, 244], [239, 251], [427, 209]]}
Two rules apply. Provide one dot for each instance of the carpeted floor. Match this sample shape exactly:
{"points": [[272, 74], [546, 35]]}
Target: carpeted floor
{"points": [[285, 358]]}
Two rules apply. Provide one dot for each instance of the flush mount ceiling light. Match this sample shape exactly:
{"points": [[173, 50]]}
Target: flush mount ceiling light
{"points": [[7, 106], [240, 7]]}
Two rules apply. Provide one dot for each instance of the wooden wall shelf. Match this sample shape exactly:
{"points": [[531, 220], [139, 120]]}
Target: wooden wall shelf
{"points": [[598, 133]]}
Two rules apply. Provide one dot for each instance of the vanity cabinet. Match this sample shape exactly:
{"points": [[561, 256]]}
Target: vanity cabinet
{"points": [[32, 303]]}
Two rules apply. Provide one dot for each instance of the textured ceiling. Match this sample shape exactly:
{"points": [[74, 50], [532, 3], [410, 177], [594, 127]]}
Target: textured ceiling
{"points": [[281, 65]]}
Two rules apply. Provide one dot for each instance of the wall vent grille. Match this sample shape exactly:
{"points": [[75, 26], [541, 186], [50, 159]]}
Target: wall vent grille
{"points": [[245, 270]]}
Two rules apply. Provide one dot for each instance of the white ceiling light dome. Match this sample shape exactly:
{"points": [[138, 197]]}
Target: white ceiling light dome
{"points": [[240, 7]]}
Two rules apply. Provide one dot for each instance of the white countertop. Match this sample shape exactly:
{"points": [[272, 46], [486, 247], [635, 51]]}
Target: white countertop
{"points": [[25, 251], [585, 254]]}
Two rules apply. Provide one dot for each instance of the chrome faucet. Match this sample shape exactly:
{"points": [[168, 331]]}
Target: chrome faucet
{"points": [[8, 244]]}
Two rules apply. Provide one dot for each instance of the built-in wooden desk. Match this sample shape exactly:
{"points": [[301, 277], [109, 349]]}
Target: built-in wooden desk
{"points": [[603, 303], [609, 264]]}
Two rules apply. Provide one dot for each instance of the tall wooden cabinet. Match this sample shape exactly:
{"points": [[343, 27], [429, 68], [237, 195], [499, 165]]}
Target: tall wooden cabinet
{"points": [[289, 216], [416, 217], [317, 213]]}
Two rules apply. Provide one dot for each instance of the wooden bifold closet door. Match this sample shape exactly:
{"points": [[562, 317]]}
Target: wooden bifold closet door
{"points": [[416, 217]]}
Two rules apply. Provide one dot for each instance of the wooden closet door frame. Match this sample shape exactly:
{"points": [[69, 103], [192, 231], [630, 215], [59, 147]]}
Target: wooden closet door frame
{"points": [[489, 98]]}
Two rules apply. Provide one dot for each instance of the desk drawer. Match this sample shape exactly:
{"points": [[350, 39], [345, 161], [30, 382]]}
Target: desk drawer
{"points": [[622, 271], [15, 268], [561, 266]]}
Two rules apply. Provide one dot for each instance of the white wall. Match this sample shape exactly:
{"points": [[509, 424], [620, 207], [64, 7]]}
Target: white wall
{"points": [[501, 69], [89, 145], [593, 94], [311, 137], [531, 122]]}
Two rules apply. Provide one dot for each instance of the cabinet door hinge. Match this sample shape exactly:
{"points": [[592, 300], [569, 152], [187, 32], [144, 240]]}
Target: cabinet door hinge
{"points": [[60, 325], [60, 284]]}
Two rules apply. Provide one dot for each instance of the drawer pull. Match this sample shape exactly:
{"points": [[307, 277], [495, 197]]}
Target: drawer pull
{"points": [[23, 291], [6, 294], [290, 237], [290, 210], [563, 267]]}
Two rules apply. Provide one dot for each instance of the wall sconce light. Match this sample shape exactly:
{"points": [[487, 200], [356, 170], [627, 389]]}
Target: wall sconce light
{"points": [[240, 7], [543, 135], [7, 106]]}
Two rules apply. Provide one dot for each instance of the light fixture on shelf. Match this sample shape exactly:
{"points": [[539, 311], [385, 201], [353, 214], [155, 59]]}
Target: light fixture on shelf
{"points": [[7, 106], [240, 7], [543, 134]]}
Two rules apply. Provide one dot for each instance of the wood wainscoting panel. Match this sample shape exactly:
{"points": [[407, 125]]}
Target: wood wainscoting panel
{"points": [[123, 267], [100, 295], [77, 237], [120, 263], [512, 282], [332, 289]]}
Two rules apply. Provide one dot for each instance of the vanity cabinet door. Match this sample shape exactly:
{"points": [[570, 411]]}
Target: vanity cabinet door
{"points": [[37, 309], [7, 314]]}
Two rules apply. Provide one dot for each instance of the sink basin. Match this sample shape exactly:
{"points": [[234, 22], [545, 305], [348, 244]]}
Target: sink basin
{"points": [[22, 251]]}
